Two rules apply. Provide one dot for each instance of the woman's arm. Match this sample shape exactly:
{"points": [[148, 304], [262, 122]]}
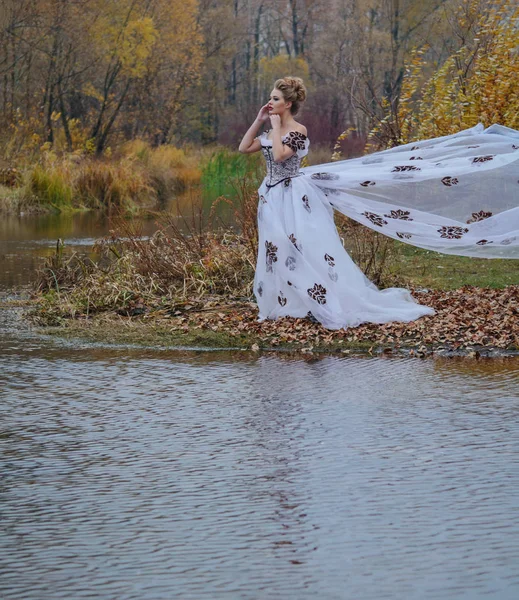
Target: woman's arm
{"points": [[249, 144], [279, 150]]}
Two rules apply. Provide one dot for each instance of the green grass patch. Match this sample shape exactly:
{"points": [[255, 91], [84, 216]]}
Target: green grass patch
{"points": [[50, 187], [225, 167], [146, 333], [416, 267]]}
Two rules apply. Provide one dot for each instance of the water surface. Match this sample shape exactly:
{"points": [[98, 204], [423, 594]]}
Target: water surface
{"points": [[131, 474], [151, 475]]}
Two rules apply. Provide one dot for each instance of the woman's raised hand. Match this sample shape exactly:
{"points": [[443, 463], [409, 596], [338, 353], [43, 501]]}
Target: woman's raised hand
{"points": [[263, 114], [275, 121]]}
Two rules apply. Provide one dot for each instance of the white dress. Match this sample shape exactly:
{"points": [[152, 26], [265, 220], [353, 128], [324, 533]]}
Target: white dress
{"points": [[302, 266], [457, 194]]}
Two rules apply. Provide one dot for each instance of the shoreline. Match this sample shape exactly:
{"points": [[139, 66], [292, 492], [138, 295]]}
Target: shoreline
{"points": [[164, 340], [471, 322]]}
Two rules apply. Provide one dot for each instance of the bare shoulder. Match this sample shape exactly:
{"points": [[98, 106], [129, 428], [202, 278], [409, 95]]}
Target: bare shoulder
{"points": [[301, 128]]}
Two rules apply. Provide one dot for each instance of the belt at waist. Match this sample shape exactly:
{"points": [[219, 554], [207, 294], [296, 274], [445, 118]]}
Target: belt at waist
{"points": [[284, 179]]}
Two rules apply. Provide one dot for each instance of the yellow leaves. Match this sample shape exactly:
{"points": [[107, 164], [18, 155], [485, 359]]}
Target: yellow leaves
{"points": [[478, 83], [90, 146], [135, 45], [89, 90], [337, 152], [129, 40], [282, 65]]}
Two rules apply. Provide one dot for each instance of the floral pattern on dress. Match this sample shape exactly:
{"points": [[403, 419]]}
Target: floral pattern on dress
{"points": [[271, 255], [306, 203], [327, 191], [507, 241], [402, 168], [374, 218], [404, 235], [452, 232], [295, 140], [479, 216], [281, 299], [373, 160], [290, 263], [367, 183], [294, 241], [260, 289], [449, 181], [332, 274], [324, 176], [330, 260], [317, 293], [404, 215], [484, 242], [483, 159]]}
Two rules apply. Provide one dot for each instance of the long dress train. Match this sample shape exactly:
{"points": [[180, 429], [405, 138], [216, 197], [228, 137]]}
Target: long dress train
{"points": [[302, 266]]}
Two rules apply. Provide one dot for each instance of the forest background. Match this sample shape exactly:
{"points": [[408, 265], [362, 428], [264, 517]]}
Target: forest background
{"points": [[86, 75]]}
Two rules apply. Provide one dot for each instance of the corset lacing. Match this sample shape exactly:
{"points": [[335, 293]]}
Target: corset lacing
{"points": [[278, 172]]}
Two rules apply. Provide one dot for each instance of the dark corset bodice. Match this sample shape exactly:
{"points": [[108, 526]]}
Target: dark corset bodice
{"points": [[280, 171], [283, 171]]}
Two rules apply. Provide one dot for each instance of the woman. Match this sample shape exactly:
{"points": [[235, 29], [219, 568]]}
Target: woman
{"points": [[302, 267]]}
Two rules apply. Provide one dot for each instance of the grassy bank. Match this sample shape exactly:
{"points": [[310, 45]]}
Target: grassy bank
{"points": [[194, 289], [470, 322], [136, 175]]}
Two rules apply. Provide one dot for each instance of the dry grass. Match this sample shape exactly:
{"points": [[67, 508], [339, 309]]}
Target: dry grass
{"points": [[169, 169], [136, 176], [318, 155], [181, 263], [111, 185], [373, 252]]}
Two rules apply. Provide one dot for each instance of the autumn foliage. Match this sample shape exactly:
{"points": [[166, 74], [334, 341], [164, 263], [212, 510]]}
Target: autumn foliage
{"points": [[77, 74]]}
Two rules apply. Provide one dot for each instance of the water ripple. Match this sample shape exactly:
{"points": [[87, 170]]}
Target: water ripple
{"points": [[133, 474]]}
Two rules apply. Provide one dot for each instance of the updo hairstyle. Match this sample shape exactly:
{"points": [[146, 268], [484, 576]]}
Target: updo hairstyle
{"points": [[293, 90]]}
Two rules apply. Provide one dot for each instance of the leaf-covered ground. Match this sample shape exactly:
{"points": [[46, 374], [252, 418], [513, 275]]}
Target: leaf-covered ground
{"points": [[468, 320], [465, 317]]}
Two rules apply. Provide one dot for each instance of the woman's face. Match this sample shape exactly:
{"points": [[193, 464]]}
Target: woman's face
{"points": [[277, 104]]}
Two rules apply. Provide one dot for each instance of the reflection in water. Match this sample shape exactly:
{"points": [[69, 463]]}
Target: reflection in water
{"points": [[26, 240], [138, 474]]}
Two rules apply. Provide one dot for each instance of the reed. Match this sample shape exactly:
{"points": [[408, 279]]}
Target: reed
{"points": [[184, 261], [225, 168], [112, 185], [170, 170], [51, 185], [136, 175]]}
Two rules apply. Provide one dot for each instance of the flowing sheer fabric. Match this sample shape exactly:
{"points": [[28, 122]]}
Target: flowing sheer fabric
{"points": [[457, 194], [422, 194]]}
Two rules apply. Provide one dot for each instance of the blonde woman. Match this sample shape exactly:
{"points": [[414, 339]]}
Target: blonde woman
{"points": [[406, 193]]}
